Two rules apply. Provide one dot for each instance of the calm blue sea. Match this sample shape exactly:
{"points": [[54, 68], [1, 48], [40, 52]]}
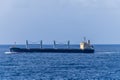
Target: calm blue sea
{"points": [[104, 64]]}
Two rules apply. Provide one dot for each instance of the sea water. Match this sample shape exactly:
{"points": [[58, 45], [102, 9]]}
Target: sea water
{"points": [[104, 64]]}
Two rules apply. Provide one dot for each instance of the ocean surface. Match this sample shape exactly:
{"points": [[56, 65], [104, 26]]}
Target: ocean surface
{"points": [[104, 64]]}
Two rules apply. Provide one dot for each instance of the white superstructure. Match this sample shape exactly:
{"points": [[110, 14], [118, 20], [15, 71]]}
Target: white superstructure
{"points": [[86, 45]]}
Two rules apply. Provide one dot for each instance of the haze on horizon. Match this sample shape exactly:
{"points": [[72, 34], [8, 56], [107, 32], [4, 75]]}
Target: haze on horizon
{"points": [[60, 20]]}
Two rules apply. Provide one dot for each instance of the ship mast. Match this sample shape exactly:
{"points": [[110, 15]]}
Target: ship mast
{"points": [[54, 46], [41, 44], [68, 44], [27, 44]]}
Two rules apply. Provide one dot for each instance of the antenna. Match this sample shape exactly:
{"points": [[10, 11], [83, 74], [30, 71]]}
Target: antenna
{"points": [[84, 39]]}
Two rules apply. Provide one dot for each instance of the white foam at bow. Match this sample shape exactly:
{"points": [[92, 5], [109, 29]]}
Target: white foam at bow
{"points": [[10, 52]]}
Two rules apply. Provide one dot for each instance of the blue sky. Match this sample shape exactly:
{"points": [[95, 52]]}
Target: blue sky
{"points": [[60, 20]]}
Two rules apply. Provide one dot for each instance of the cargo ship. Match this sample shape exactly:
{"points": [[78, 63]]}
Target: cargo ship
{"points": [[85, 47]]}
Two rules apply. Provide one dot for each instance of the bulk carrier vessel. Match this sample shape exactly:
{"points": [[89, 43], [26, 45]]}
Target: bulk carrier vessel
{"points": [[85, 47]]}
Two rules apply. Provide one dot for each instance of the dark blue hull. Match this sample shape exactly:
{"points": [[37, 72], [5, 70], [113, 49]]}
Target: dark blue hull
{"points": [[32, 50]]}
